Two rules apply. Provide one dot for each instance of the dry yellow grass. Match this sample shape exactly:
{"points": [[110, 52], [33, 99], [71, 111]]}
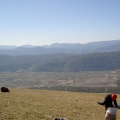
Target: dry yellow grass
{"points": [[28, 104]]}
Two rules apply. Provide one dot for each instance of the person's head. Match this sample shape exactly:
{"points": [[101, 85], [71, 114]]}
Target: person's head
{"points": [[114, 96]]}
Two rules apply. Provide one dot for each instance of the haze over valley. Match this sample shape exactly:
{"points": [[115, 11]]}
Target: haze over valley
{"points": [[61, 66]]}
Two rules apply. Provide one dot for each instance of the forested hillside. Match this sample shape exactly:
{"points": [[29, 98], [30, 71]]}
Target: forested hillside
{"points": [[61, 62]]}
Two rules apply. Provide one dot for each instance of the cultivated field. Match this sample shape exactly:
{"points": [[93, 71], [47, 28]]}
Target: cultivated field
{"points": [[28, 104], [27, 79]]}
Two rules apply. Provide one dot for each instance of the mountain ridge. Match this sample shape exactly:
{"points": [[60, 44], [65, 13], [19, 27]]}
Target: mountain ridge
{"points": [[62, 48]]}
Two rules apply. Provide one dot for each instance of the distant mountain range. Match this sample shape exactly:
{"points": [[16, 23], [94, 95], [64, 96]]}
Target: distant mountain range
{"points": [[62, 48]]}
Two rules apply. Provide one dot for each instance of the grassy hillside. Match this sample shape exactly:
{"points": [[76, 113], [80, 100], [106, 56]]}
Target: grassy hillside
{"points": [[26, 104]]}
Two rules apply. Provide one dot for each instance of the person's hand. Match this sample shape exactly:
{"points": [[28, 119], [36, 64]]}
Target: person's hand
{"points": [[98, 102], [118, 106]]}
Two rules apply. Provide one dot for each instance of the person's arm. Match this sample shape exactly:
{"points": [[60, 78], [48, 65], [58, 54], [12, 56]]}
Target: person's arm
{"points": [[115, 102], [101, 103]]}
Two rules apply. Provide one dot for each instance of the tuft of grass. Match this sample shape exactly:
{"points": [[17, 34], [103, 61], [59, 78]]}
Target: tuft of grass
{"points": [[29, 104]]}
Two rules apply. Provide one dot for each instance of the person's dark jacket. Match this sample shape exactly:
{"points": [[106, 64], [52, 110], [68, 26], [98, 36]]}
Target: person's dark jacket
{"points": [[108, 102]]}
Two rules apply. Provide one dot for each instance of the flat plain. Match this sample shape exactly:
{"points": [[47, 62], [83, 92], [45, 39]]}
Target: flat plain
{"points": [[27, 79]]}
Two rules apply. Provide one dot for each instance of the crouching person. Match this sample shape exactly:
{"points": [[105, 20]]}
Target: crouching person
{"points": [[111, 106]]}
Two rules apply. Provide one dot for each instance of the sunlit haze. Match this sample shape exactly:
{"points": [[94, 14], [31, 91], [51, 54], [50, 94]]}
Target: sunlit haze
{"points": [[43, 22]]}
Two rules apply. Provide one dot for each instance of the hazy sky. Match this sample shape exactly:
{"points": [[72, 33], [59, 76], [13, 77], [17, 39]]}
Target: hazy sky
{"points": [[43, 22]]}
